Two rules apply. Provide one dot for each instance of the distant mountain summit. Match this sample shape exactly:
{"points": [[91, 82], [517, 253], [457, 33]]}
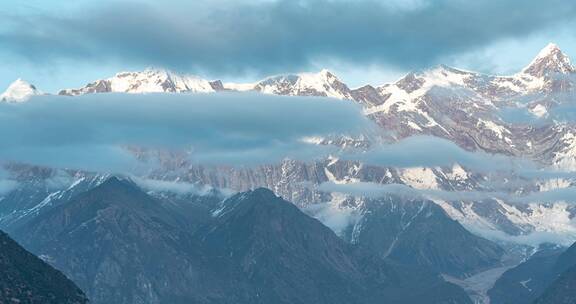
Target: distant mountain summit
{"points": [[323, 83], [148, 81], [19, 91], [550, 60]]}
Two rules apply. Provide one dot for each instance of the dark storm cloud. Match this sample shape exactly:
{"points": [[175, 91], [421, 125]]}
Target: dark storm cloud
{"points": [[271, 36]]}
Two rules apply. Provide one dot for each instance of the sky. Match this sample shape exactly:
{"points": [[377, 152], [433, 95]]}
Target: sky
{"points": [[61, 44]]}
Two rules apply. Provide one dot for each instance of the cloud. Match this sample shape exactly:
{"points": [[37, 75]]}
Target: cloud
{"points": [[338, 219], [278, 35], [374, 190], [534, 239], [567, 194], [93, 131], [428, 151], [559, 106], [368, 189], [335, 217], [176, 187], [7, 185]]}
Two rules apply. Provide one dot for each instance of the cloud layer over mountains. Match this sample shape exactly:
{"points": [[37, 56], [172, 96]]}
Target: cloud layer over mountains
{"points": [[91, 131], [95, 132]]}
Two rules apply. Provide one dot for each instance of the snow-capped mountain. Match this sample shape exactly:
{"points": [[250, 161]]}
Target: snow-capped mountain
{"points": [[465, 107], [466, 224], [19, 91], [323, 83], [148, 81], [461, 106], [551, 60], [458, 105]]}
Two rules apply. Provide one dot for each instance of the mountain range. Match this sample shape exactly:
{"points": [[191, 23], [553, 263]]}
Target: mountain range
{"points": [[462, 106], [107, 234], [122, 245]]}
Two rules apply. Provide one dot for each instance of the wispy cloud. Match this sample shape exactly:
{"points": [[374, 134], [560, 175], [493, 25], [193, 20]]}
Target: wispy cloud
{"points": [[427, 151], [177, 187], [7, 185], [374, 190]]}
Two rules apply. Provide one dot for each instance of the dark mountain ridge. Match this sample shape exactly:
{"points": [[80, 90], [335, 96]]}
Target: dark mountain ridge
{"points": [[123, 246], [26, 279]]}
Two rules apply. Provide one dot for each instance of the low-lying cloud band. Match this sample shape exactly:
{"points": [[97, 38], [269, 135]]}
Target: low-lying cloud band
{"points": [[232, 128]]}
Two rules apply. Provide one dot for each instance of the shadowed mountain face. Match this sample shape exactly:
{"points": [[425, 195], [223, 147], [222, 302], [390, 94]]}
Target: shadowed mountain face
{"points": [[544, 276], [523, 283], [292, 258], [562, 290], [24, 278], [123, 246], [419, 232]]}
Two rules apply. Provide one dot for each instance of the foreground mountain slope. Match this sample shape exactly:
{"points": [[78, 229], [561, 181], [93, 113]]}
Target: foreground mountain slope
{"points": [[419, 232], [110, 240], [562, 290], [26, 279], [292, 258], [254, 248], [525, 282], [537, 276]]}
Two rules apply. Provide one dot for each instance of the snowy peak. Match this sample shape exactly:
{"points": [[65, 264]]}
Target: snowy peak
{"points": [[442, 76], [148, 81], [550, 60], [323, 83], [19, 91]]}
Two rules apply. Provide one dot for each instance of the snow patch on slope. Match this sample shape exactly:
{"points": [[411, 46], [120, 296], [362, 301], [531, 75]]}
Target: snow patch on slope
{"points": [[540, 223], [420, 178]]}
